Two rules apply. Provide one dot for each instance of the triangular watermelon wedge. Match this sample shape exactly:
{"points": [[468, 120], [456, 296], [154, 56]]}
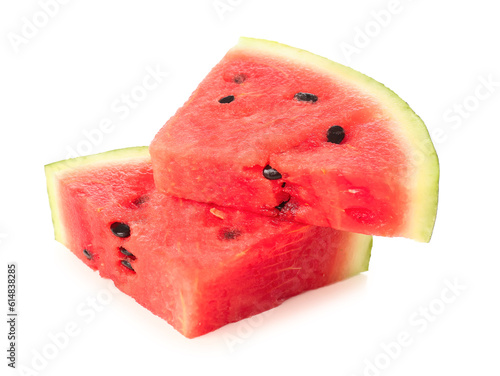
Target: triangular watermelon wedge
{"points": [[280, 131]]}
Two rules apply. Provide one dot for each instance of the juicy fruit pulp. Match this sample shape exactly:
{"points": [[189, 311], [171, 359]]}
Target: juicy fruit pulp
{"points": [[195, 265], [346, 151]]}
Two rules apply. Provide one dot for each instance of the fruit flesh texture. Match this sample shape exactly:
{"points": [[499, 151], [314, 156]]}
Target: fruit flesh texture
{"points": [[370, 183], [197, 266]]}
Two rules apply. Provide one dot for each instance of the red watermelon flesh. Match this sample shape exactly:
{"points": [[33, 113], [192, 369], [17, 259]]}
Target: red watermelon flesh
{"points": [[195, 265], [270, 105]]}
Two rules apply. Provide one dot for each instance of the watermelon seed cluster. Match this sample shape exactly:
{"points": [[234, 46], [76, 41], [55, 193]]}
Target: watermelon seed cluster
{"points": [[122, 230], [272, 174], [334, 135]]}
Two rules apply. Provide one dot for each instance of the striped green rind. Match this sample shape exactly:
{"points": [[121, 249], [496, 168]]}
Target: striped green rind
{"points": [[54, 172], [358, 258], [423, 165]]}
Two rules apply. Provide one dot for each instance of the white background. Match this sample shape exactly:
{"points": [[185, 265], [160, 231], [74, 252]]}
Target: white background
{"points": [[62, 81]]}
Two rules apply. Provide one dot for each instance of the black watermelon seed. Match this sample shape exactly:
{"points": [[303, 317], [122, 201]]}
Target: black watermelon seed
{"points": [[230, 233], [282, 205], [227, 99], [127, 264], [87, 254], [127, 253], [270, 173], [239, 78], [121, 230], [335, 134], [283, 185], [306, 97]]}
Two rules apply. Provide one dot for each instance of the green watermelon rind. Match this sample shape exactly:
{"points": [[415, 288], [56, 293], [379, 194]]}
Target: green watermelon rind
{"points": [[354, 258], [361, 263], [54, 171], [411, 130]]}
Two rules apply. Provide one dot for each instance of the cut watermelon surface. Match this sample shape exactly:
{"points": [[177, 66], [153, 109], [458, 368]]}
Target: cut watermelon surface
{"points": [[197, 266], [282, 132]]}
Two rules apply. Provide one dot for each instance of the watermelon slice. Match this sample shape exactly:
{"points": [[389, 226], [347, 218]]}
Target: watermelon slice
{"points": [[280, 131], [195, 265]]}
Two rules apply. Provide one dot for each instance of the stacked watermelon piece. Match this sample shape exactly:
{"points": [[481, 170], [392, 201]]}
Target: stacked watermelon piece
{"points": [[268, 182]]}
